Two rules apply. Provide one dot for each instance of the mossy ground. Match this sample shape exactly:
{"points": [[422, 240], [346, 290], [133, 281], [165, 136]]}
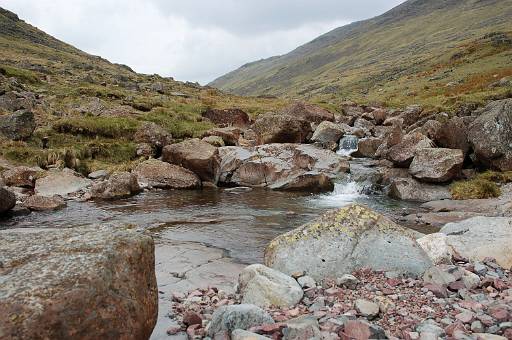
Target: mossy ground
{"points": [[484, 185]]}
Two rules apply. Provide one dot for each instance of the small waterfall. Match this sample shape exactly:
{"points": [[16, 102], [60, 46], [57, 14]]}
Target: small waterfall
{"points": [[348, 145], [344, 193]]}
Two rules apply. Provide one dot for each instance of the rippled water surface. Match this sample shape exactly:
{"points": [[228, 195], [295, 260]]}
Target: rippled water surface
{"points": [[241, 221]]}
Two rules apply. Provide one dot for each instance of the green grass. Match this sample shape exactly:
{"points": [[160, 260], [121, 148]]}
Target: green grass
{"points": [[109, 127], [22, 75]]}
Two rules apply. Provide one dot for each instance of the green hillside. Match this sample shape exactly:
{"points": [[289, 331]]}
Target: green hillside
{"points": [[440, 53], [88, 107]]}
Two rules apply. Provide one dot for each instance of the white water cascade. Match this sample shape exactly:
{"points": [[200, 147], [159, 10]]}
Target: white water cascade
{"points": [[348, 145]]}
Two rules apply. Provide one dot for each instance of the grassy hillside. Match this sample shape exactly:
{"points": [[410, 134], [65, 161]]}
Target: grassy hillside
{"points": [[439, 53], [89, 108]]}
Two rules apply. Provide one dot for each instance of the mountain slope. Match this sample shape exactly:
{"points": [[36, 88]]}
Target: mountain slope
{"points": [[89, 109], [411, 40]]}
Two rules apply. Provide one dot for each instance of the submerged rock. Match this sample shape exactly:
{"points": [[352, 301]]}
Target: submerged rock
{"points": [[436, 165], [196, 155], [158, 174], [265, 287], [94, 282], [62, 183], [345, 240]]}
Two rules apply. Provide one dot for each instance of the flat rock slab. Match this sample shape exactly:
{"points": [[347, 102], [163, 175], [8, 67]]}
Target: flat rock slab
{"points": [[62, 183], [94, 282]]}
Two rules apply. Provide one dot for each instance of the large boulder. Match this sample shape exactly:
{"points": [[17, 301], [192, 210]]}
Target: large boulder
{"points": [[491, 135], [408, 189], [403, 153], [20, 176], [158, 174], [196, 155], [61, 182], [453, 134], [480, 237], [228, 117], [436, 165], [367, 147], [265, 287], [229, 318], [328, 132], [14, 101], [345, 240], [281, 167], [230, 135], [153, 134], [43, 203], [279, 128], [94, 282], [7, 200], [118, 185], [17, 126], [308, 112]]}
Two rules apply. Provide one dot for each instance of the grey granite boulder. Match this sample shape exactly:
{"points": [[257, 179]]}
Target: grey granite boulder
{"points": [[229, 318], [344, 240]]}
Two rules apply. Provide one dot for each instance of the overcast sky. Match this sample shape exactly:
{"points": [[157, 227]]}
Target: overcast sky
{"points": [[196, 40]]}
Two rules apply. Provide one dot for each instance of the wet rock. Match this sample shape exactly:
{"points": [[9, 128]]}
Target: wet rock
{"points": [[17, 126], [153, 134], [308, 112], [118, 185], [480, 237], [281, 167], [277, 128], [408, 189], [229, 318], [239, 334], [88, 282], [491, 135], [62, 183], [436, 165], [7, 200], [436, 248], [199, 157], [158, 174], [328, 132], [403, 153], [214, 140], [43, 203], [367, 147], [20, 176], [344, 240], [264, 287], [367, 308], [228, 117]]}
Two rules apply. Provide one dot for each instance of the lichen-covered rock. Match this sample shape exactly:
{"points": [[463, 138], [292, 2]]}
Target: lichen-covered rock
{"points": [[7, 200], [196, 155], [227, 117], [367, 147], [491, 135], [153, 134], [309, 112], [480, 237], [43, 203], [20, 176], [265, 287], [291, 167], [61, 182], [118, 185], [436, 165], [408, 189], [403, 153], [17, 126], [277, 128], [229, 318], [229, 135], [436, 248], [345, 240], [214, 140], [94, 282], [158, 174]]}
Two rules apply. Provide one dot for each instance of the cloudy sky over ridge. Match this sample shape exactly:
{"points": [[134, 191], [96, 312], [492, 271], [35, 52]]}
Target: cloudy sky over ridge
{"points": [[196, 40]]}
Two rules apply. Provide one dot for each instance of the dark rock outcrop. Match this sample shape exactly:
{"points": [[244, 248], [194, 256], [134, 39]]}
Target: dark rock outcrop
{"points": [[278, 128], [18, 125], [228, 117]]}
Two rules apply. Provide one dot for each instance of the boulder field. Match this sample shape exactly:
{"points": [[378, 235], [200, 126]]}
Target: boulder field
{"points": [[88, 282]]}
